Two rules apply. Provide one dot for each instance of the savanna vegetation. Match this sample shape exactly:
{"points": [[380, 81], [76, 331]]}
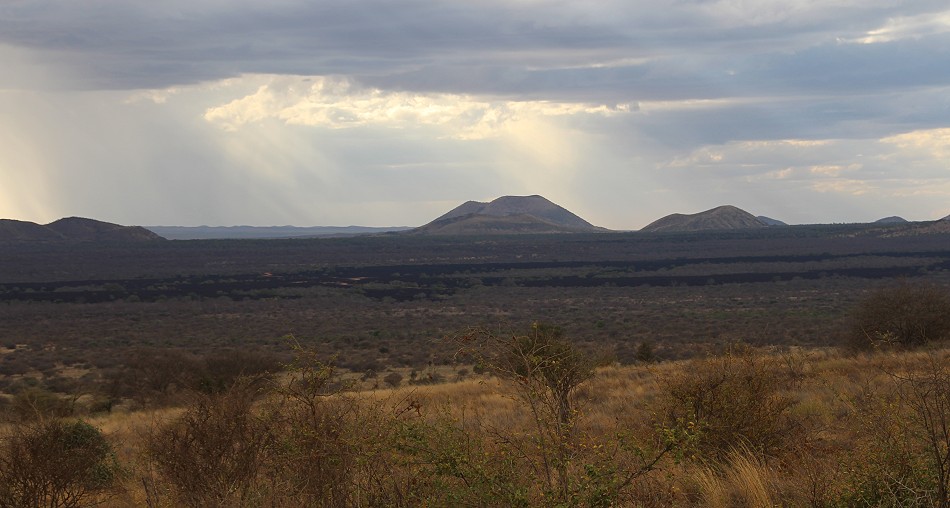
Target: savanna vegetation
{"points": [[541, 424], [816, 377], [74, 318]]}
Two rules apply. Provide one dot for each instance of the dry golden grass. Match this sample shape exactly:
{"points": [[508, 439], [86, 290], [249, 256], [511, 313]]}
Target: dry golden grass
{"points": [[827, 395], [749, 478]]}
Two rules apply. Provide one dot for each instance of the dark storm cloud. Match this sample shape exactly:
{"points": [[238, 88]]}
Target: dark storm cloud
{"points": [[854, 68], [136, 45], [551, 49]]}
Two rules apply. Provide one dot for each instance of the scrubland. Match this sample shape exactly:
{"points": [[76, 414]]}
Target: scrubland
{"points": [[795, 380], [746, 427]]}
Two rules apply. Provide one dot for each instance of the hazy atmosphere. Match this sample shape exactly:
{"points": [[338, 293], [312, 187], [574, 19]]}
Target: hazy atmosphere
{"points": [[384, 113]]}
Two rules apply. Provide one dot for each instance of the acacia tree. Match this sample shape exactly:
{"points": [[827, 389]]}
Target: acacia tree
{"points": [[544, 365], [546, 370], [548, 367]]}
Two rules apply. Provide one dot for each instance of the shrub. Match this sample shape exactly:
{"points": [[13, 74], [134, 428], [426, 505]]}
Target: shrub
{"points": [[13, 365], [452, 466], [904, 315], [904, 456], [151, 374], [570, 469], [318, 453], [221, 370], [734, 400], [546, 367], [156, 376], [37, 402], [301, 445], [56, 463], [645, 352], [213, 454], [393, 379]]}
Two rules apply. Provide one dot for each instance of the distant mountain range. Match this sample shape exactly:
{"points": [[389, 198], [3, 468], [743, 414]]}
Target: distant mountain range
{"points": [[504, 215], [72, 229], [731, 217], [263, 232], [507, 215]]}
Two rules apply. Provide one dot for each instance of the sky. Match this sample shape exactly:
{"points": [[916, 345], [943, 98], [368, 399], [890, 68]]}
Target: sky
{"points": [[392, 112]]}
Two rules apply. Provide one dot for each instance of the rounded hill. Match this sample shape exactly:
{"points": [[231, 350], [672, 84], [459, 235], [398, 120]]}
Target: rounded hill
{"points": [[508, 215], [72, 229], [721, 217]]}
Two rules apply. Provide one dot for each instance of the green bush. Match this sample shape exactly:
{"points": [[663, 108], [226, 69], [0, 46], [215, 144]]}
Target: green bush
{"points": [[56, 464]]}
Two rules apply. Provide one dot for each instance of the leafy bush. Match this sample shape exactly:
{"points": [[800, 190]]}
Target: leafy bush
{"points": [[645, 352], [453, 466], [160, 376], [55, 463]]}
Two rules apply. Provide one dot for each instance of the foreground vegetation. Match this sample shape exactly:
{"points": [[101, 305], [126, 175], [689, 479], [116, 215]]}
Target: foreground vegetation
{"points": [[747, 427]]}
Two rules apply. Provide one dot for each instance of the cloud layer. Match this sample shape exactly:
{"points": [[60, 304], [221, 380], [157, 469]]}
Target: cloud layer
{"points": [[390, 112]]}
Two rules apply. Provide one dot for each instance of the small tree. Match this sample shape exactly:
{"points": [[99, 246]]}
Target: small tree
{"points": [[926, 394], [904, 315], [546, 367], [546, 370], [294, 441]]}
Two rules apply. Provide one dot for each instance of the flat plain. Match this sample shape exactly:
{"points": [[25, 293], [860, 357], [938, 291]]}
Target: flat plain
{"points": [[378, 302]]}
